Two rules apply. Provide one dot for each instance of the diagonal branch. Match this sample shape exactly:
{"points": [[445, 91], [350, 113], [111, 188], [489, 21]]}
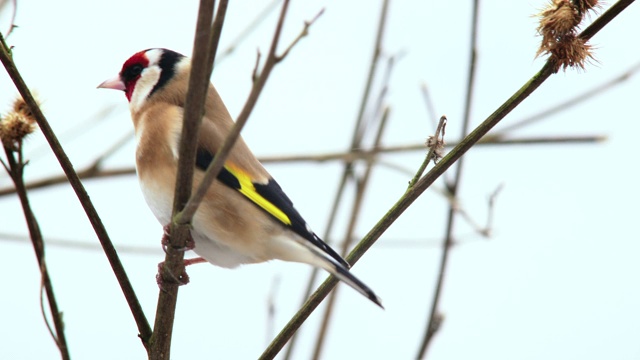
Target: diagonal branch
{"points": [[218, 162], [414, 192], [109, 250], [402, 204]]}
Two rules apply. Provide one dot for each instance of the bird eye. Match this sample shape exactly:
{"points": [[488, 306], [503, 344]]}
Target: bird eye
{"points": [[136, 69], [133, 71]]}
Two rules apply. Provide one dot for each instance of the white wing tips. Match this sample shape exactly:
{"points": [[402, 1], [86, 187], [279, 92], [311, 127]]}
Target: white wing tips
{"points": [[345, 275]]}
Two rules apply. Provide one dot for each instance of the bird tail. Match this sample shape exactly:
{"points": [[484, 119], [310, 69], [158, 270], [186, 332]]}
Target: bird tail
{"points": [[301, 250], [348, 278]]}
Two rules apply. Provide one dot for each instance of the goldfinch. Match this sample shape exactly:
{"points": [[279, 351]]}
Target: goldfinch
{"points": [[245, 216]]}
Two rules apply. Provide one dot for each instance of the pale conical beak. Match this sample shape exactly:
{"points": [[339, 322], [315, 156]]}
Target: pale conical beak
{"points": [[115, 84]]}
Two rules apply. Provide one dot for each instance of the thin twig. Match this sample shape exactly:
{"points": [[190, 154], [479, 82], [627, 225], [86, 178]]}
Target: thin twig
{"points": [[253, 24], [16, 171], [432, 154], [216, 165], [303, 33], [123, 280], [85, 245], [91, 172]]}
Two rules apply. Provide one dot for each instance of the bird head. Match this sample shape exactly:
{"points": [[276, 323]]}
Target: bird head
{"points": [[144, 73]]}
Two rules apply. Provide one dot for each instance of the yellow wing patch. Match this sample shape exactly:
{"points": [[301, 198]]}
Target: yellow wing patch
{"points": [[248, 189]]}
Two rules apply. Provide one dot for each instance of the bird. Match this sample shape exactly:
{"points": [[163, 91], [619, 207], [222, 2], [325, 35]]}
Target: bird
{"points": [[245, 216]]}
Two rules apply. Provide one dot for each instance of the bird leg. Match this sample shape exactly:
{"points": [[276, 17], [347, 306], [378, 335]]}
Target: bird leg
{"points": [[165, 276], [189, 245]]}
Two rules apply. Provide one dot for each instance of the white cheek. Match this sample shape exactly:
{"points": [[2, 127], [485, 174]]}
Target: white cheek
{"points": [[148, 79]]}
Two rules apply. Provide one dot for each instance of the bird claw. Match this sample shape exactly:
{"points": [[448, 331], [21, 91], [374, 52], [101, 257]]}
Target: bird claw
{"points": [[166, 240], [165, 276]]}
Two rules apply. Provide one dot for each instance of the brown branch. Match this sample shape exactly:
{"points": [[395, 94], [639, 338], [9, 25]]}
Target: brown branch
{"points": [[160, 341], [132, 300], [16, 172], [216, 165], [362, 154]]}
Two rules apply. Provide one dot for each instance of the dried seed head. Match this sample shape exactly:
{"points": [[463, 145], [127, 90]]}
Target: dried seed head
{"points": [[571, 51], [558, 19], [558, 28], [17, 124], [585, 5], [13, 128], [21, 107]]}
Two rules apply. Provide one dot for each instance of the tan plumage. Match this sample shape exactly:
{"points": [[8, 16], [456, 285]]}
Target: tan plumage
{"points": [[245, 217]]}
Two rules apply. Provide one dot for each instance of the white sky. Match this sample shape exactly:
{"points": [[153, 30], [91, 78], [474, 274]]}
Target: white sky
{"points": [[558, 279]]}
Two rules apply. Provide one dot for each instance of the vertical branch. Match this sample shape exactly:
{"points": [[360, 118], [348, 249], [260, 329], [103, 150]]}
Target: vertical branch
{"points": [[186, 205], [16, 171], [109, 250], [435, 319], [160, 342]]}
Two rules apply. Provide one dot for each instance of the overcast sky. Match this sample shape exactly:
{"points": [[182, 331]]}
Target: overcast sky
{"points": [[556, 280]]}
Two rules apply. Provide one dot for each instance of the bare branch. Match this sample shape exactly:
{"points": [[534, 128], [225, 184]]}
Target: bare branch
{"points": [[410, 196], [303, 33], [81, 193], [218, 162], [95, 172], [248, 30], [160, 341], [435, 149], [16, 171]]}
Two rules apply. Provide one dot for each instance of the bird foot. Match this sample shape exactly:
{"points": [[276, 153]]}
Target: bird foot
{"points": [[165, 276], [189, 245]]}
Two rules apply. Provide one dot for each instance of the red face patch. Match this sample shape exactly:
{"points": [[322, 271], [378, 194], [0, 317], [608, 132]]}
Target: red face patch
{"points": [[131, 71]]}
